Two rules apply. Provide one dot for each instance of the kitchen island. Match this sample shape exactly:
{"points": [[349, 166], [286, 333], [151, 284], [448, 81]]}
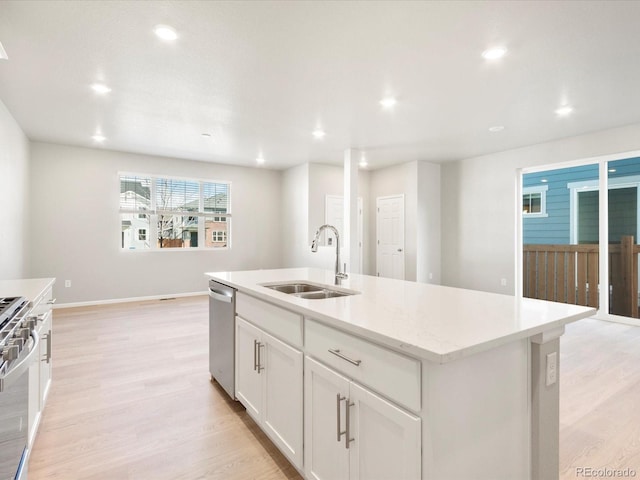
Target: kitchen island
{"points": [[401, 379]]}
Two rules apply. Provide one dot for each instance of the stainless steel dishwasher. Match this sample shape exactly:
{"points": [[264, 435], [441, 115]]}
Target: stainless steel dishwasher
{"points": [[222, 312]]}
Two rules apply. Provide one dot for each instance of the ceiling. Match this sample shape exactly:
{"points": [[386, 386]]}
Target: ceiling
{"points": [[259, 77]]}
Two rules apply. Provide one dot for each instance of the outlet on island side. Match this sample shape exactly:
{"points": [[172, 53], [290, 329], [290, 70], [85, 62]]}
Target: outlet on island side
{"points": [[67, 283], [503, 282]]}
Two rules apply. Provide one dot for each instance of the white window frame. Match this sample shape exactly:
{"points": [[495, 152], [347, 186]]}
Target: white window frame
{"points": [[632, 181], [153, 213], [140, 233], [215, 235], [542, 190]]}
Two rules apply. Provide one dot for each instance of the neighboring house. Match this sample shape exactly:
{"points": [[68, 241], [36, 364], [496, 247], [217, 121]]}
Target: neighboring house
{"points": [[561, 206], [135, 226]]}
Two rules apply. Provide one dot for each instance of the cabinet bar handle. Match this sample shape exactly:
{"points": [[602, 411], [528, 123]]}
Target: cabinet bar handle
{"points": [[255, 355], [338, 432], [347, 438], [49, 347], [337, 353], [260, 367]]}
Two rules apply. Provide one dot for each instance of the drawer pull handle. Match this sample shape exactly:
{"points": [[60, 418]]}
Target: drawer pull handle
{"points": [[337, 353]]}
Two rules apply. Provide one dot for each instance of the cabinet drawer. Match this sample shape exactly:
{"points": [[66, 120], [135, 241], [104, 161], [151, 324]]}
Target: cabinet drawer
{"points": [[43, 303], [281, 323], [391, 374]]}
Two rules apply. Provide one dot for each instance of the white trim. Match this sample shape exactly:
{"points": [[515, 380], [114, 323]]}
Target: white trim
{"points": [[582, 162], [128, 300], [542, 190], [631, 181], [519, 238]]}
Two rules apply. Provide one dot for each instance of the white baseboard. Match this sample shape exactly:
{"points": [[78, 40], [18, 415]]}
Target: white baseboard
{"points": [[126, 300]]}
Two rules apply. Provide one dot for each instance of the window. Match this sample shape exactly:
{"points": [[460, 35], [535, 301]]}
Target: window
{"points": [[218, 236], [534, 201], [170, 213]]}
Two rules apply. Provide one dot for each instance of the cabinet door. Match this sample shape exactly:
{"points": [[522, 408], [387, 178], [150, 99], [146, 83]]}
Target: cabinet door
{"points": [[45, 358], [282, 396], [248, 376], [386, 440], [325, 393]]}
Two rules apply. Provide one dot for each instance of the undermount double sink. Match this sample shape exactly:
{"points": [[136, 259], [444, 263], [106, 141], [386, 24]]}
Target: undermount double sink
{"points": [[309, 291]]}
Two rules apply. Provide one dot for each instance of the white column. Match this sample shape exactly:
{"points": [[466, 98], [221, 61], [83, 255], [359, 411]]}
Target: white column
{"points": [[351, 247]]}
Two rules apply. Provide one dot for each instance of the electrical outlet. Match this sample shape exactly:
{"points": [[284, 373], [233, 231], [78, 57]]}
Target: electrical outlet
{"points": [[503, 282], [67, 283], [552, 368], [430, 276]]}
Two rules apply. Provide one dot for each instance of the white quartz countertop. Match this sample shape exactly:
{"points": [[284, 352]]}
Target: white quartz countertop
{"points": [[433, 322], [31, 288]]}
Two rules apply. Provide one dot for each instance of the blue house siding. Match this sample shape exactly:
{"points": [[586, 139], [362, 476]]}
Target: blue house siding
{"points": [[555, 228]]}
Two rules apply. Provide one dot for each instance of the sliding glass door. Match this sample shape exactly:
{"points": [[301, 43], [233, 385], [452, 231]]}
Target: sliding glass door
{"points": [[568, 254]]}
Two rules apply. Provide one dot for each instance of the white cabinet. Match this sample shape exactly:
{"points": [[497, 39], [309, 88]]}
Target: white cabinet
{"points": [[352, 433], [269, 385], [40, 371]]}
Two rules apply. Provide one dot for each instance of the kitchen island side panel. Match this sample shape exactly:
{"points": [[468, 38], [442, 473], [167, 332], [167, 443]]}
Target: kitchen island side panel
{"points": [[476, 416]]}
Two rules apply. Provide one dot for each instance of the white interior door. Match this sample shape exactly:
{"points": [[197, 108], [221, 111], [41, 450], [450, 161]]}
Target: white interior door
{"points": [[390, 236], [334, 215]]}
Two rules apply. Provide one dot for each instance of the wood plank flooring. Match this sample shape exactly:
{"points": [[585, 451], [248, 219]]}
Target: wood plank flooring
{"points": [[131, 399]]}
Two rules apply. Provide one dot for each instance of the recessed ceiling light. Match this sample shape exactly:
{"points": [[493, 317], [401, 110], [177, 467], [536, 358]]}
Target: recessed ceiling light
{"points": [[100, 88], [496, 128], [3, 53], [260, 160], [319, 133], [544, 180], [165, 32], [564, 110], [99, 138], [494, 53], [388, 102]]}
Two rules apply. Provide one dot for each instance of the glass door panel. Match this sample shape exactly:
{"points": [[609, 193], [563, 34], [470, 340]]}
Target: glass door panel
{"points": [[560, 235], [624, 181]]}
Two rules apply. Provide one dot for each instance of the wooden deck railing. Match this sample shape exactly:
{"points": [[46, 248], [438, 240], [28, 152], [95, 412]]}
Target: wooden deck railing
{"points": [[569, 274]]}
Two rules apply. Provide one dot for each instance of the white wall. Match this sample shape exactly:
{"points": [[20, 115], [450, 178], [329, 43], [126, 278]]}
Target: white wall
{"points": [[419, 182], [428, 225], [329, 180], [75, 225], [14, 197], [479, 205]]}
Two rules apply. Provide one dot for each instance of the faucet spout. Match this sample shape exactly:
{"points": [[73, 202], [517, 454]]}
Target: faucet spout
{"points": [[314, 248]]}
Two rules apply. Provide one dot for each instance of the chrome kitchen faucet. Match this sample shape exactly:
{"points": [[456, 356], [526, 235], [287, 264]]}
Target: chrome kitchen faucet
{"points": [[314, 248]]}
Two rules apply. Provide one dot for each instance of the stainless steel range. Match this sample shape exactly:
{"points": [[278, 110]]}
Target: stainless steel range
{"points": [[19, 345]]}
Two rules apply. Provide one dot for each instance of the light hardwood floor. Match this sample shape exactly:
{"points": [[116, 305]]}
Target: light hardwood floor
{"points": [[131, 399]]}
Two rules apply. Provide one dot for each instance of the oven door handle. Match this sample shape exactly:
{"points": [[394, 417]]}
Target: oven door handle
{"points": [[8, 378]]}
